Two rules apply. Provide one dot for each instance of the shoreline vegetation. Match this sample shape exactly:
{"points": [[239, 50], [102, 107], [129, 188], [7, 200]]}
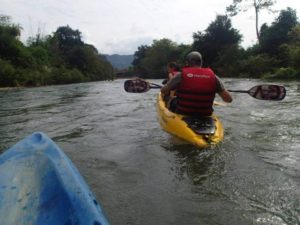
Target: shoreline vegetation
{"points": [[59, 58], [62, 57], [276, 55]]}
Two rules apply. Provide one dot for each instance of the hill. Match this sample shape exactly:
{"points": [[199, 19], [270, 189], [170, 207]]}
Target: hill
{"points": [[120, 61]]}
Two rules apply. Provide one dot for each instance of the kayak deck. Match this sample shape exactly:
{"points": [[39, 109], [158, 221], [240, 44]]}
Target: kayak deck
{"points": [[41, 186], [179, 126]]}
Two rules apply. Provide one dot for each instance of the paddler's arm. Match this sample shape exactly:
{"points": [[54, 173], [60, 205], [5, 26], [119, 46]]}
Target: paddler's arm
{"points": [[222, 92], [171, 84]]}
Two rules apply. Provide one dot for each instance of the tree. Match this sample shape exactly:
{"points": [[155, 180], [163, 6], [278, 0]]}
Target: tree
{"points": [[218, 36], [11, 48], [277, 34], [7, 74], [69, 48], [244, 5], [68, 38], [290, 52], [39, 39], [139, 54], [229, 61], [7, 26], [256, 66], [154, 59], [162, 52]]}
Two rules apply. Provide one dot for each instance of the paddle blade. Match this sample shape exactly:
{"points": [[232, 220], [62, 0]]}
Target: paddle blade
{"points": [[136, 86], [268, 92]]}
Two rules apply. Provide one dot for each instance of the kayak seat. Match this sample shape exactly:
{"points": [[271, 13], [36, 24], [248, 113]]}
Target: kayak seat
{"points": [[202, 125]]}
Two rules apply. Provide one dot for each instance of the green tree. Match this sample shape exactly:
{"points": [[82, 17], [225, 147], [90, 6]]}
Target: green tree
{"points": [[138, 56], [6, 25], [238, 6], [11, 48], [40, 55], [229, 61], [68, 38], [277, 34], [289, 53], [294, 36], [7, 74], [218, 36], [255, 66], [278, 54], [72, 52], [156, 58]]}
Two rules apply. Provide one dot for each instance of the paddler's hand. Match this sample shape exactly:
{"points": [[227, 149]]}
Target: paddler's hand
{"points": [[165, 90]]}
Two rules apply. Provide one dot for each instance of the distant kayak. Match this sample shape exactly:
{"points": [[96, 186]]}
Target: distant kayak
{"points": [[201, 132], [39, 185]]}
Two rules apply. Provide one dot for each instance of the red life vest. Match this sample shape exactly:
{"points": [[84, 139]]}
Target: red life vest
{"points": [[174, 73], [196, 91]]}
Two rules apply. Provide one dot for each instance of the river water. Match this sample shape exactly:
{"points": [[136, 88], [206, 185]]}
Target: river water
{"points": [[144, 176]]}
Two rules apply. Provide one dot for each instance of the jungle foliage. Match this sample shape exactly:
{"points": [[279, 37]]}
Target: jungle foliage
{"points": [[59, 58], [276, 55]]}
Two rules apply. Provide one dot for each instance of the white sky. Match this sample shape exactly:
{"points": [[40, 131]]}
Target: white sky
{"points": [[120, 26]]}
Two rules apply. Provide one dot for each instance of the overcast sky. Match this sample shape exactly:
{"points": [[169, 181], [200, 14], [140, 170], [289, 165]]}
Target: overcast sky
{"points": [[120, 26]]}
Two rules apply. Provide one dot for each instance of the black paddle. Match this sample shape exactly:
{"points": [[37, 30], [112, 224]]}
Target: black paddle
{"points": [[139, 86], [269, 92]]}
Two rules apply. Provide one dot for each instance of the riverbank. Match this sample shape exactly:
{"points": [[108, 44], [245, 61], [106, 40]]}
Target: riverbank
{"points": [[10, 88]]}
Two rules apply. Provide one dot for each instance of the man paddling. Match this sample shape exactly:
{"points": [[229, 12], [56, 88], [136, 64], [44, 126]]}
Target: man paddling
{"points": [[195, 89]]}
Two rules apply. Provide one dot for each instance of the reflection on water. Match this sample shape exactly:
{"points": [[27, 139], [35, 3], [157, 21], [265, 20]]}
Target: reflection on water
{"points": [[142, 175]]}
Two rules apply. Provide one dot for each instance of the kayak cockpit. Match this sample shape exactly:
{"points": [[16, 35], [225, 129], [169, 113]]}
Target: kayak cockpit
{"points": [[201, 125]]}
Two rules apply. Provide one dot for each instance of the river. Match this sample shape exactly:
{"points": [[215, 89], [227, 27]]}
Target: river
{"points": [[144, 176]]}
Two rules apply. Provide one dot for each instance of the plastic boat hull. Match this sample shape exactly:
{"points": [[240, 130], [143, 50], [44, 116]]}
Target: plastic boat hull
{"points": [[39, 185], [176, 124]]}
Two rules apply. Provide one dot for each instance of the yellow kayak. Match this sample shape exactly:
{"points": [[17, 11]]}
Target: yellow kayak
{"points": [[201, 132]]}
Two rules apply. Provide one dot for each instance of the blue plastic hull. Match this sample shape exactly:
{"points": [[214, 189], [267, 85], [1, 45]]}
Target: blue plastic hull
{"points": [[39, 185]]}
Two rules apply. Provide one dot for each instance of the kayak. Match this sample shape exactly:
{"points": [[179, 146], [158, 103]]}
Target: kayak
{"points": [[202, 132], [39, 185]]}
